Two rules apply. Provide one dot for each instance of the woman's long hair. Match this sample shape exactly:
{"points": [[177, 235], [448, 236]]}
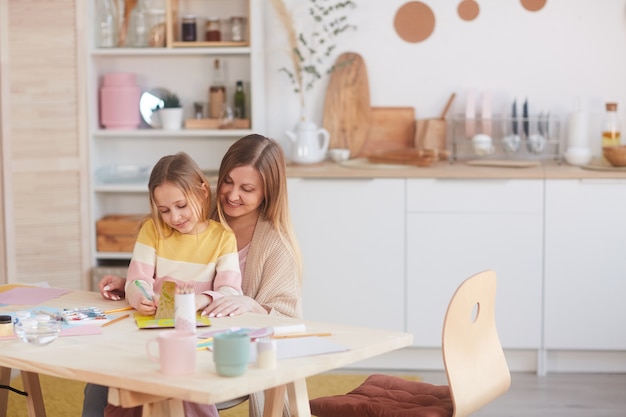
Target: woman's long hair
{"points": [[267, 157]]}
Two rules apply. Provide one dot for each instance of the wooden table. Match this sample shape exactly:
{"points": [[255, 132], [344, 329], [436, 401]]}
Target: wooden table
{"points": [[117, 358]]}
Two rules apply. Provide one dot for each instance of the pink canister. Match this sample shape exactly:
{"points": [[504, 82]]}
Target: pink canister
{"points": [[119, 101]]}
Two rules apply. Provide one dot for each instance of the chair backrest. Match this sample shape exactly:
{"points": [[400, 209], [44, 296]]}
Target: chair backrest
{"points": [[473, 357]]}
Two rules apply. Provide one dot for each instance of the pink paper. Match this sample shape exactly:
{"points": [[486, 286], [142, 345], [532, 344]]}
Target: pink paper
{"points": [[30, 295]]}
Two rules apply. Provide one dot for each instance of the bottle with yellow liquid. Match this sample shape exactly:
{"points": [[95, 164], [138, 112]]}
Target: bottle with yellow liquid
{"points": [[611, 128]]}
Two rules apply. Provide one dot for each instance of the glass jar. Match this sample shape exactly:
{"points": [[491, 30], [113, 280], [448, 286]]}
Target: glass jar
{"points": [[611, 129], [189, 33], [156, 28], [237, 24], [213, 30], [106, 24]]}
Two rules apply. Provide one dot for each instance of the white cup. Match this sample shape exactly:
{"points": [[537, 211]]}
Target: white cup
{"points": [[483, 144]]}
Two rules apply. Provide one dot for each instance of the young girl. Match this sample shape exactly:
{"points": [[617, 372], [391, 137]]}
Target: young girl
{"points": [[178, 242]]}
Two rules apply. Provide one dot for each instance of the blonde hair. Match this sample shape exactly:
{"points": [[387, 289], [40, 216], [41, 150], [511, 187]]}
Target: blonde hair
{"points": [[267, 157], [183, 172]]}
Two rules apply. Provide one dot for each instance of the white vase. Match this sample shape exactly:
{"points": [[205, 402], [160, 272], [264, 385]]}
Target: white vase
{"points": [[171, 118]]}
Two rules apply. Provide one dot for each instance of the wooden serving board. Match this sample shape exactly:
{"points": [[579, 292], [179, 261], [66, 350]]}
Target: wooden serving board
{"points": [[391, 128], [347, 104], [415, 157]]}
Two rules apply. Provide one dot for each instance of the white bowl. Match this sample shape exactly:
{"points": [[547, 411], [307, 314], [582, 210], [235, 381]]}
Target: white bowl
{"points": [[38, 333], [339, 155]]}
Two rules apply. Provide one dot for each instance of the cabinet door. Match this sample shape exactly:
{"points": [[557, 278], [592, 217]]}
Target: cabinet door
{"points": [[351, 232], [456, 228], [585, 264]]}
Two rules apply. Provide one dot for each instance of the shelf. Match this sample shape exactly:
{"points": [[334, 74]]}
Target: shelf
{"points": [[183, 133], [121, 188], [200, 49]]}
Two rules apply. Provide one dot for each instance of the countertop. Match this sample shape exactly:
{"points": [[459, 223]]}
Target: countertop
{"points": [[457, 169]]}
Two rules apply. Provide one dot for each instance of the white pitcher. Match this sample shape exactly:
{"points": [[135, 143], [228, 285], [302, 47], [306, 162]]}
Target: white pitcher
{"points": [[309, 143]]}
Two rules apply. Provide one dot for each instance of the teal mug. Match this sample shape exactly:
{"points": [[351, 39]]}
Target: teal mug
{"points": [[231, 353]]}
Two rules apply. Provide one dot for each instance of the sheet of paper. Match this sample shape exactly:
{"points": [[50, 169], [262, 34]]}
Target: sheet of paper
{"points": [[302, 346]]}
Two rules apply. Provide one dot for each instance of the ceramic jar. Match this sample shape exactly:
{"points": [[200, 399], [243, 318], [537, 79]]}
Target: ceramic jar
{"points": [[119, 101]]}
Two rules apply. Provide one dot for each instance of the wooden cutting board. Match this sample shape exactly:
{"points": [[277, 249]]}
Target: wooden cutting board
{"points": [[347, 104], [390, 128]]}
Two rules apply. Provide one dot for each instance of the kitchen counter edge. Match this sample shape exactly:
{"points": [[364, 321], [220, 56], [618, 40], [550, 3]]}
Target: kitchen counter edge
{"points": [[456, 170]]}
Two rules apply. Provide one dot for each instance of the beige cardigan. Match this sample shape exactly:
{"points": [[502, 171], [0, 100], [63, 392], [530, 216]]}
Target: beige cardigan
{"points": [[271, 274]]}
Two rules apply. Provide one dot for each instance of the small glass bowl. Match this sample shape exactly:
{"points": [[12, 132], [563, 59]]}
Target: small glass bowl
{"points": [[37, 333]]}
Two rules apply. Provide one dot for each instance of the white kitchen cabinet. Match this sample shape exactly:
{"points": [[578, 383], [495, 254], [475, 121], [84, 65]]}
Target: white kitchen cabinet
{"points": [[585, 271], [456, 228], [351, 232], [183, 68]]}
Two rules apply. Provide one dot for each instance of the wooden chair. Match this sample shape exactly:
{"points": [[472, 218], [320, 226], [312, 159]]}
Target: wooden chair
{"points": [[474, 361]]}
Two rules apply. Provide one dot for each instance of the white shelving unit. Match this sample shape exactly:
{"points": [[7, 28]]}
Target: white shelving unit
{"points": [[185, 68]]}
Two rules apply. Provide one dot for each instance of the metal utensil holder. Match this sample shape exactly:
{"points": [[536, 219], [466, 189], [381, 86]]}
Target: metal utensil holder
{"points": [[538, 138]]}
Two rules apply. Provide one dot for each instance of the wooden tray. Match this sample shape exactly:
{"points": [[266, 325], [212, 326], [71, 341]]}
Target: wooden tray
{"points": [[415, 157], [215, 124]]}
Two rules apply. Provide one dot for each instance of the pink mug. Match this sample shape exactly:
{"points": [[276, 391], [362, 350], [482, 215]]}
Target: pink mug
{"points": [[177, 352]]}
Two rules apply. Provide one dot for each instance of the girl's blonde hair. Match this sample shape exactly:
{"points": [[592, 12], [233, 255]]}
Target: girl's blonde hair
{"points": [[267, 157], [183, 172]]}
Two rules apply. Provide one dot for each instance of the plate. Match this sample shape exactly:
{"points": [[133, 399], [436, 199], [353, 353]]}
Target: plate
{"points": [[364, 163], [148, 102], [600, 165], [503, 163]]}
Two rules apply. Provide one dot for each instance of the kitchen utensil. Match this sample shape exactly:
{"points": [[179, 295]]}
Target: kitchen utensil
{"points": [[390, 128], [537, 141], [347, 104], [470, 115], [482, 142], [433, 134], [513, 141]]}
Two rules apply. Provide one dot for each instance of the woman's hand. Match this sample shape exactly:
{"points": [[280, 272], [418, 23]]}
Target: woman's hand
{"points": [[233, 305], [112, 287]]}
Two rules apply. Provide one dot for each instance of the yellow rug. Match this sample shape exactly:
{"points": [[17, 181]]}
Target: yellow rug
{"points": [[63, 397]]}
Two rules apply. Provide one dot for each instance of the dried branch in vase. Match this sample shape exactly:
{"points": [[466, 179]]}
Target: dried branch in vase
{"points": [[310, 52]]}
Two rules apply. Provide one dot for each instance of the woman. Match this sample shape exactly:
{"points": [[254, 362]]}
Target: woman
{"points": [[252, 200]]}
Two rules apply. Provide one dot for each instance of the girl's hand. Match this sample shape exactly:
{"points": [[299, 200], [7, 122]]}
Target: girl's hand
{"points": [[112, 287], [233, 305], [147, 307]]}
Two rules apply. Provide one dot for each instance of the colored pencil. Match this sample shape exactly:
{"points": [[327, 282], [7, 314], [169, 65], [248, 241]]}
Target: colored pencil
{"points": [[291, 336], [117, 310], [116, 320]]}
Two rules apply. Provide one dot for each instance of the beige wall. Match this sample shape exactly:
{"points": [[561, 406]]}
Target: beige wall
{"points": [[44, 155]]}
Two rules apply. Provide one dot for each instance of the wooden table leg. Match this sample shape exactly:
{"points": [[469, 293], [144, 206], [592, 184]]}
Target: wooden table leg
{"points": [[298, 399], [165, 408], [5, 379], [34, 401], [274, 401]]}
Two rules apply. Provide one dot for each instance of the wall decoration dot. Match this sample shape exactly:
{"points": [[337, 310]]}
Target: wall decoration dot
{"points": [[468, 10], [533, 5], [414, 21]]}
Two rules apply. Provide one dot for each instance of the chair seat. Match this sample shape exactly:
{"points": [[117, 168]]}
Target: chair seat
{"points": [[387, 396]]}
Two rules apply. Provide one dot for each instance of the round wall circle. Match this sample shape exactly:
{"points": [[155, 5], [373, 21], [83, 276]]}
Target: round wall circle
{"points": [[533, 5], [414, 21], [468, 10]]}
